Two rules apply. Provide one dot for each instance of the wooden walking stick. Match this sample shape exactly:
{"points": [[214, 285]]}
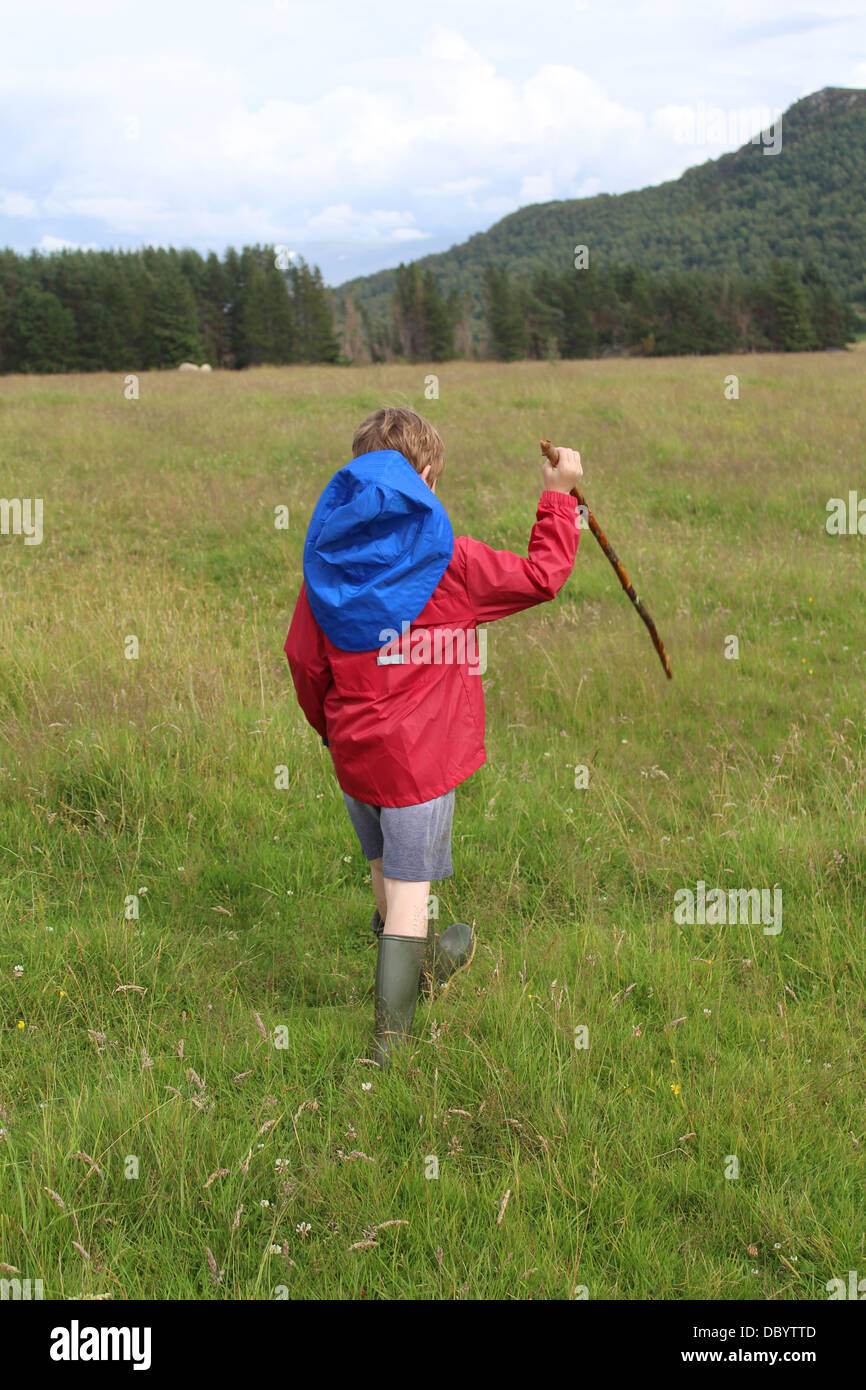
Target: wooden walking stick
{"points": [[552, 455]]}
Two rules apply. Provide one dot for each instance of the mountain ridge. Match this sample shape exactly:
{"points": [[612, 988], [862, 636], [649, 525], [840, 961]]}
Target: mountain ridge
{"points": [[809, 206]]}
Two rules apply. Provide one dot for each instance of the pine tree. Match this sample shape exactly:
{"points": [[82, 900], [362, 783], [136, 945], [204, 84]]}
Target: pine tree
{"points": [[827, 312], [408, 312], [543, 314], [250, 334], [578, 337], [437, 328], [280, 318], [41, 333], [171, 317], [376, 337], [313, 315], [212, 302], [790, 329], [505, 325], [99, 325]]}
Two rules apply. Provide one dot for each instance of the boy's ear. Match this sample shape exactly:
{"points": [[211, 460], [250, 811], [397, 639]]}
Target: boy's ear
{"points": [[425, 475]]}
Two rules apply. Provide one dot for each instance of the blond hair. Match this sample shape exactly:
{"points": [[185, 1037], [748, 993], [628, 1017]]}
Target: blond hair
{"points": [[397, 427]]}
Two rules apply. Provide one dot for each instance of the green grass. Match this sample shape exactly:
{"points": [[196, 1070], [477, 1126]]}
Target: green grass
{"points": [[119, 776]]}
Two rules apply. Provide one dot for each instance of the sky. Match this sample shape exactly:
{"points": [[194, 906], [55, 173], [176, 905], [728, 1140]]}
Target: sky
{"points": [[362, 135]]}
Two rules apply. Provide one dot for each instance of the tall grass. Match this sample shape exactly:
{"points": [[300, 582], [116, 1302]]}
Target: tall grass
{"points": [[147, 1044]]}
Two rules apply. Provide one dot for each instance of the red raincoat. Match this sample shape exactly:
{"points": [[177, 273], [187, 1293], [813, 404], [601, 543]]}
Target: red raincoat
{"points": [[402, 733]]}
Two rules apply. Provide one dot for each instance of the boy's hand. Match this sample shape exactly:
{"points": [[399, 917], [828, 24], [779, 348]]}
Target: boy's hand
{"points": [[566, 474]]}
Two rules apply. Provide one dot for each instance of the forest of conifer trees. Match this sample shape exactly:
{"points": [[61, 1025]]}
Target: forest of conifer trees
{"points": [[623, 309], [117, 311], [79, 311], [617, 310]]}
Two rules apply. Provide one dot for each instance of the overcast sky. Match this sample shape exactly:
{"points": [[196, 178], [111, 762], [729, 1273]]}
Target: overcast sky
{"points": [[363, 134]]}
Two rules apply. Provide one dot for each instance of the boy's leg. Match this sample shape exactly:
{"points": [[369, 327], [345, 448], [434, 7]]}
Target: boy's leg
{"points": [[379, 892], [366, 822], [401, 949], [406, 907], [403, 943], [400, 904], [378, 923], [414, 837], [408, 839]]}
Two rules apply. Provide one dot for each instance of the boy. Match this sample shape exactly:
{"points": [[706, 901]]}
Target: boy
{"points": [[388, 592]]}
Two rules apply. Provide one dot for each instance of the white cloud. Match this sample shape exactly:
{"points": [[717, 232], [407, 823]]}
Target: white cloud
{"points": [[17, 205], [536, 188], [587, 188], [342, 221], [118, 132], [451, 188], [450, 46], [55, 243], [146, 145], [119, 214]]}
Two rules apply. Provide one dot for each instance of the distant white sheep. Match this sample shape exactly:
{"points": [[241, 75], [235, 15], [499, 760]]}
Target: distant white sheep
{"points": [[193, 367]]}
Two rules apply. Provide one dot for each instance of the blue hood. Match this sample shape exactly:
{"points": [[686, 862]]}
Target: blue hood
{"points": [[377, 545]]}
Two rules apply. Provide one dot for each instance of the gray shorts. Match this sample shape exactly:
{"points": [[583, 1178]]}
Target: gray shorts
{"points": [[413, 842]]}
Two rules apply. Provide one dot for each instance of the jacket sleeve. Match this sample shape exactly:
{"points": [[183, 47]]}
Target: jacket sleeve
{"points": [[308, 662], [499, 583]]}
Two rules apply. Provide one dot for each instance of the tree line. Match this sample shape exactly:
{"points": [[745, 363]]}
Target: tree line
{"points": [[625, 309], [616, 310], [125, 310], [80, 311]]}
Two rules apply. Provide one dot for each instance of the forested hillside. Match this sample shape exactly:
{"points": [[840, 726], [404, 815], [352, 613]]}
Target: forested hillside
{"points": [[750, 252], [731, 215]]}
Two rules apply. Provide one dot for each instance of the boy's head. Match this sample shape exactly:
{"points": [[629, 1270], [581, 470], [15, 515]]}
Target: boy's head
{"points": [[397, 427]]}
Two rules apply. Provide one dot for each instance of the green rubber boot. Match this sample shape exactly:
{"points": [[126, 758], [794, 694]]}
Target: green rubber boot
{"points": [[398, 971], [447, 958], [377, 926], [426, 979], [443, 959]]}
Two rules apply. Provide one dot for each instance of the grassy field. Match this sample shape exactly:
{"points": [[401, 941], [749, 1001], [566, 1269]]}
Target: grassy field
{"points": [[155, 1141]]}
